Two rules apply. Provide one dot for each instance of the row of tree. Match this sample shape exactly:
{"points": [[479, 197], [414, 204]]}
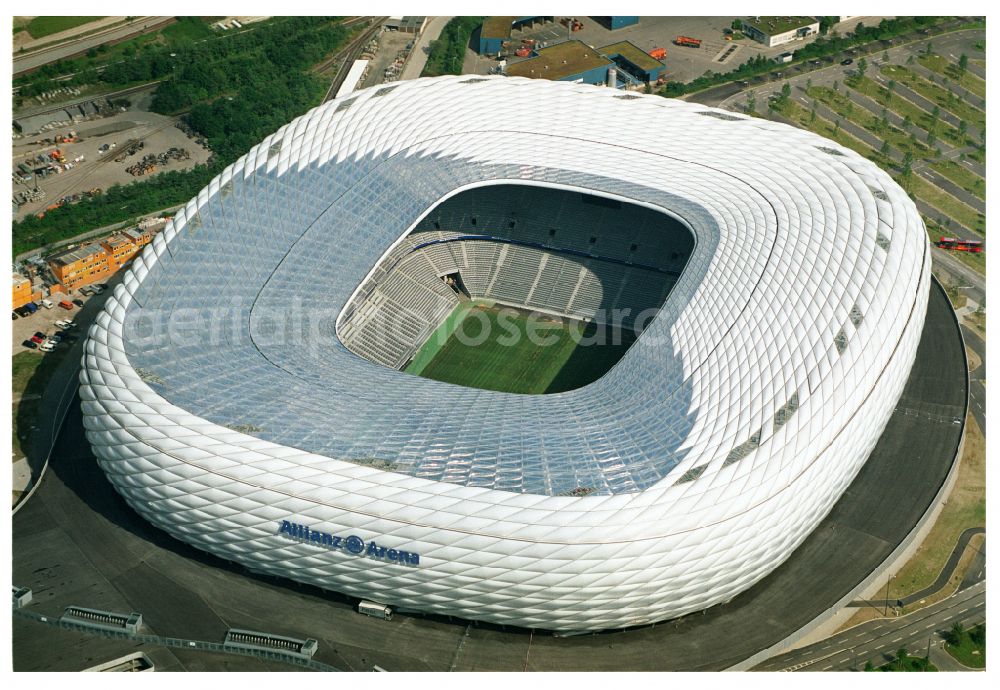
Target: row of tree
{"points": [[821, 47], [238, 90], [447, 53]]}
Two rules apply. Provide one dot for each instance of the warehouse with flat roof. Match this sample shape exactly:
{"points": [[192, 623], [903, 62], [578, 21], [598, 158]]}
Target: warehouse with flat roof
{"points": [[576, 61], [774, 31]]}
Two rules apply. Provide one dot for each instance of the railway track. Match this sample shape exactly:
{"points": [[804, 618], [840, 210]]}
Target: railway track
{"points": [[350, 53]]}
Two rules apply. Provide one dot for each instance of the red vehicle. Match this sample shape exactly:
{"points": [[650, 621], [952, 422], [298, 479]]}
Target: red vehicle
{"points": [[36, 339], [953, 243], [65, 304], [658, 53], [688, 41]]}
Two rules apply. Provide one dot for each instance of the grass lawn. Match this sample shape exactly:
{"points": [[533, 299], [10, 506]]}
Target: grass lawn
{"points": [[936, 94], [491, 347], [946, 203], [942, 66], [43, 26], [30, 373], [187, 29], [967, 652], [849, 110], [911, 664], [966, 507], [820, 125], [905, 108], [962, 176]]}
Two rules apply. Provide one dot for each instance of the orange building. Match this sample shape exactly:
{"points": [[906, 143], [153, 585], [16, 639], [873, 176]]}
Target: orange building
{"points": [[22, 290], [93, 262], [81, 266]]}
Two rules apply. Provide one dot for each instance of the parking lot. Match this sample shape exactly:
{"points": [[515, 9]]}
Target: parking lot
{"points": [[715, 54], [99, 170], [44, 321]]}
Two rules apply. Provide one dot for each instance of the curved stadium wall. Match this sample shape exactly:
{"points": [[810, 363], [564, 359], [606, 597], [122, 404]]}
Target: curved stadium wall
{"points": [[708, 453]]}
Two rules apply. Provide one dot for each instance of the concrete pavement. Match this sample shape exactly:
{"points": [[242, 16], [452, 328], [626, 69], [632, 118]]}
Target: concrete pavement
{"points": [[418, 58]]}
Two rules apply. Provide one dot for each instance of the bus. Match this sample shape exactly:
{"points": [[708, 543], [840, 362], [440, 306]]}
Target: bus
{"points": [[973, 246]]}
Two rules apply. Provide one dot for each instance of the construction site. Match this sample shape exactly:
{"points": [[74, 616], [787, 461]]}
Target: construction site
{"points": [[65, 149]]}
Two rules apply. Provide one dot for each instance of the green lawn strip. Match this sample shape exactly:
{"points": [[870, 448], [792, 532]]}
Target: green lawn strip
{"points": [[905, 108], [967, 652], [962, 176], [44, 26], [942, 66], [936, 94], [910, 664], [30, 373], [848, 109], [935, 231], [946, 203], [439, 338], [824, 127], [447, 53]]}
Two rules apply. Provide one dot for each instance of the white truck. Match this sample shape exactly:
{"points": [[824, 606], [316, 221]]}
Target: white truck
{"points": [[375, 609]]}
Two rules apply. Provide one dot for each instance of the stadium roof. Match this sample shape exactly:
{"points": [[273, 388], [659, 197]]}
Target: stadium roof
{"points": [[714, 446]]}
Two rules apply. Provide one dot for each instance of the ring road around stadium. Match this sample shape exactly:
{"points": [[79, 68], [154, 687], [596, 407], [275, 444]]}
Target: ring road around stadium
{"points": [[246, 388]]}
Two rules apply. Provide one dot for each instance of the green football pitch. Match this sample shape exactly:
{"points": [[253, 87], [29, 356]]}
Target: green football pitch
{"points": [[504, 349]]}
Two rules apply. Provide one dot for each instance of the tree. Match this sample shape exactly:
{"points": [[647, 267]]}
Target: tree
{"points": [[836, 86], [890, 87], [737, 25], [836, 125], [963, 63], [862, 67], [910, 60], [869, 666], [809, 84], [936, 112], [931, 138], [929, 48], [885, 150], [812, 113], [786, 91], [751, 102], [907, 168], [885, 57], [954, 636], [902, 656], [907, 122], [978, 633], [825, 24], [937, 151], [963, 127]]}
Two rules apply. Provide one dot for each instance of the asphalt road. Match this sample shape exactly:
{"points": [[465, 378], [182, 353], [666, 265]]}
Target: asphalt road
{"points": [[977, 378], [879, 640], [77, 543], [973, 575], [76, 46]]}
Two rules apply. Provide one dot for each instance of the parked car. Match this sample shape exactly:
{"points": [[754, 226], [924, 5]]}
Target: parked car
{"points": [[22, 312], [65, 304], [39, 334], [30, 344], [38, 341], [848, 61], [62, 323], [78, 302], [13, 316], [85, 290], [55, 338], [47, 347], [71, 324], [31, 307], [47, 304], [97, 289]]}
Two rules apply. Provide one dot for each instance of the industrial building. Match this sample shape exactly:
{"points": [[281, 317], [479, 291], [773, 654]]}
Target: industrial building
{"points": [[796, 285], [576, 61], [495, 31], [776, 31], [92, 263], [406, 25]]}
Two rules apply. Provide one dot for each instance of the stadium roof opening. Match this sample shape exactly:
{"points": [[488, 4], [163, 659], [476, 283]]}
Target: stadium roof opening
{"points": [[593, 269]]}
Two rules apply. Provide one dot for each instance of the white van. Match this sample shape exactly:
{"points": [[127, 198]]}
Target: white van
{"points": [[47, 304]]}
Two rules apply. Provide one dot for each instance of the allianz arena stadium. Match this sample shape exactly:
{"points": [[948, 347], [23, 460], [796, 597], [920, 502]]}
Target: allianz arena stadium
{"points": [[244, 388]]}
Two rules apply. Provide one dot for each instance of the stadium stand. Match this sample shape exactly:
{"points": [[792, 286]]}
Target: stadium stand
{"points": [[555, 251]]}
